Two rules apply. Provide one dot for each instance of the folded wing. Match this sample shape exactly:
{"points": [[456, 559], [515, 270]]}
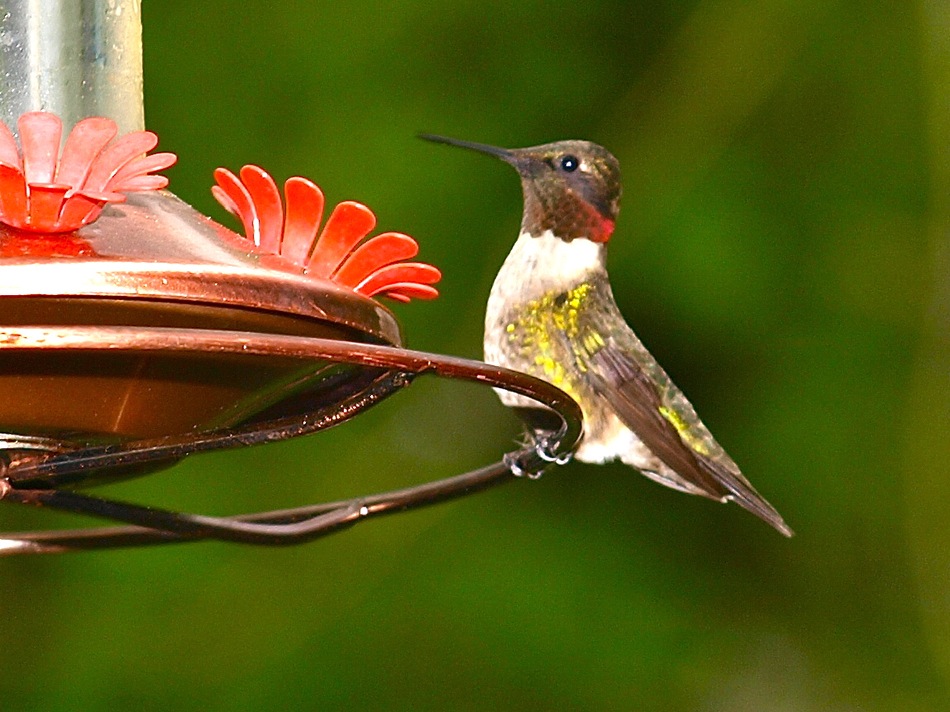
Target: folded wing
{"points": [[636, 387]]}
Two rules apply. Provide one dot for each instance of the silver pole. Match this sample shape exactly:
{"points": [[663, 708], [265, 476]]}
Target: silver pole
{"points": [[76, 58]]}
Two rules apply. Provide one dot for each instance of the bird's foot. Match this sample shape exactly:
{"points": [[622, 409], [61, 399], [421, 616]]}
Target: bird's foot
{"points": [[546, 449], [513, 463]]}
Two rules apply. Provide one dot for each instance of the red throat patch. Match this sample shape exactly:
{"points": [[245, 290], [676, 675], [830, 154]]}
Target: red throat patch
{"points": [[602, 232]]}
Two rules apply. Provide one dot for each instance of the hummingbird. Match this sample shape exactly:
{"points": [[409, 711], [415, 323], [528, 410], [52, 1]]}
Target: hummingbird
{"points": [[551, 313]]}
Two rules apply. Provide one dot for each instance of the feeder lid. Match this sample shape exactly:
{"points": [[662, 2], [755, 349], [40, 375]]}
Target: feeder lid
{"points": [[157, 248], [154, 261]]}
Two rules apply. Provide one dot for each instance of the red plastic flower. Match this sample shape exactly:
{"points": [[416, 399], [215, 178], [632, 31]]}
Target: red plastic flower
{"points": [[374, 267], [42, 191]]}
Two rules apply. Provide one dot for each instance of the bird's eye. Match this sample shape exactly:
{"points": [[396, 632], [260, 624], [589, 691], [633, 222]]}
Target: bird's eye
{"points": [[569, 163]]}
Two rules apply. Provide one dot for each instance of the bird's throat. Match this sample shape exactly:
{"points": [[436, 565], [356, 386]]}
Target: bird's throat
{"points": [[544, 263]]}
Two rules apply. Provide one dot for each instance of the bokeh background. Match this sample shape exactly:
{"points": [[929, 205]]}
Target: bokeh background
{"points": [[782, 249]]}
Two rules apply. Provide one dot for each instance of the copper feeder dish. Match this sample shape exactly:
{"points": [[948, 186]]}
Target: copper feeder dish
{"points": [[127, 274]]}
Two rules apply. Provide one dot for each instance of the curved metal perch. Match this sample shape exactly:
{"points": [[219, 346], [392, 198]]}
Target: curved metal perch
{"points": [[34, 480]]}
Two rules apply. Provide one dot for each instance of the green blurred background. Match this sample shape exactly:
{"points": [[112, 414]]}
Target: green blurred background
{"points": [[782, 250]]}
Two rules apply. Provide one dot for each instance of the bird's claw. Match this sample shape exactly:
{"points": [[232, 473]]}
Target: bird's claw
{"points": [[513, 463], [545, 448], [547, 451]]}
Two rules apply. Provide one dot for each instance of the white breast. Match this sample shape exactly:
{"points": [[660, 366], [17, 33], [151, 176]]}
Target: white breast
{"points": [[546, 262]]}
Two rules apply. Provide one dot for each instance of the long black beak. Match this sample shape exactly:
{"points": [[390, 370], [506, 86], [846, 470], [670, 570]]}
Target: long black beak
{"points": [[502, 153]]}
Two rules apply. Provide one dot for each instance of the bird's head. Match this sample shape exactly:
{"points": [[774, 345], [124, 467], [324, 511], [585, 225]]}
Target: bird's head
{"points": [[571, 188]]}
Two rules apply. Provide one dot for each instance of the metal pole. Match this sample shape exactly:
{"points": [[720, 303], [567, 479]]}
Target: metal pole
{"points": [[76, 58]]}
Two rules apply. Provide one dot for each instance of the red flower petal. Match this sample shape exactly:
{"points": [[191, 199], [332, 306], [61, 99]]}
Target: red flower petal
{"points": [[404, 272], [369, 269], [270, 213], [349, 223], [9, 151], [116, 156], [128, 177], [40, 133], [46, 200], [396, 296], [13, 202], [235, 198], [305, 203], [224, 200], [138, 184], [373, 254], [82, 208], [84, 143], [404, 291]]}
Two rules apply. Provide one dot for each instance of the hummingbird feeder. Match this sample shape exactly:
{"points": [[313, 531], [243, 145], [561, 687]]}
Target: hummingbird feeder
{"points": [[135, 331]]}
